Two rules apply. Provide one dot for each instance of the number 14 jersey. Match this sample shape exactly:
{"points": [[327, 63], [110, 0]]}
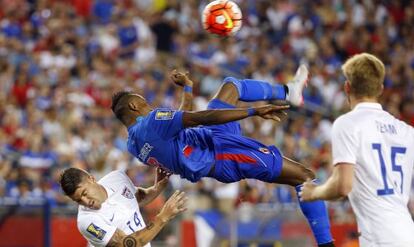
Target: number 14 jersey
{"points": [[119, 211]]}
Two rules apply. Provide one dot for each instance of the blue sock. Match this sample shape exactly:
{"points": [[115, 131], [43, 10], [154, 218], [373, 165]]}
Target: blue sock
{"points": [[255, 90], [318, 219]]}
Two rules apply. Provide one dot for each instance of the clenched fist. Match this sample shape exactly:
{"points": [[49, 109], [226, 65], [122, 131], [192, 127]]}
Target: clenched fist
{"points": [[181, 79]]}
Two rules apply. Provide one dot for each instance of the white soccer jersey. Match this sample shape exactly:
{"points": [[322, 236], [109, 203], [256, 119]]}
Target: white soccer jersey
{"points": [[120, 211], [382, 149]]}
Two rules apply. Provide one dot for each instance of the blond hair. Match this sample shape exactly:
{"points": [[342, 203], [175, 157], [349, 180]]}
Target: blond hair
{"points": [[365, 73]]}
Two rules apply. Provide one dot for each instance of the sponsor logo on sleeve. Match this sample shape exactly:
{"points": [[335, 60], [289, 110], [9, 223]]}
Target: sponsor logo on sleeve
{"points": [[96, 231], [164, 115]]}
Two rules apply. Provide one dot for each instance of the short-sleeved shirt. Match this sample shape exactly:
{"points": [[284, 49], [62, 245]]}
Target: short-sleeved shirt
{"points": [[119, 211], [159, 139], [381, 148]]}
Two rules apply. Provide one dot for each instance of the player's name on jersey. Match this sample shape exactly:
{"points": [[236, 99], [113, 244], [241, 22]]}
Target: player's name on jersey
{"points": [[145, 150], [385, 128]]}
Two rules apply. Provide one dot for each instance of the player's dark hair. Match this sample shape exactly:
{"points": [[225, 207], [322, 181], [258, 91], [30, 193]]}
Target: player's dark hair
{"points": [[119, 104], [70, 179]]}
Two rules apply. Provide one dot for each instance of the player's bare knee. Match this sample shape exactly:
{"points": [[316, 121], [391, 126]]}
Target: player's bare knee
{"points": [[229, 87], [228, 92]]}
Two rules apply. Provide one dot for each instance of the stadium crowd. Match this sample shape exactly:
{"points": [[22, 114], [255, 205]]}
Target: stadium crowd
{"points": [[60, 62]]}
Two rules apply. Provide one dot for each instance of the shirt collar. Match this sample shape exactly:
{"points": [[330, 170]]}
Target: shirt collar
{"points": [[370, 105], [110, 192], [137, 120]]}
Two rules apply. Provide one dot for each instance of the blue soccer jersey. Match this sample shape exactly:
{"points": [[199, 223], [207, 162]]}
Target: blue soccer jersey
{"points": [[159, 139]]}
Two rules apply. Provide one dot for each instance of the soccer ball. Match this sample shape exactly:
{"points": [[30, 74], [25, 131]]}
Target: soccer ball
{"points": [[222, 17]]}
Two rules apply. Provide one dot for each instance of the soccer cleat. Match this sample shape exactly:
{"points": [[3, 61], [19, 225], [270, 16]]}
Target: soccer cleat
{"points": [[296, 86]]}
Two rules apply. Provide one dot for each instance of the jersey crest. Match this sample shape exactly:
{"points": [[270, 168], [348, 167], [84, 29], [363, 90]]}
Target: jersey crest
{"points": [[164, 115], [96, 231], [127, 193]]}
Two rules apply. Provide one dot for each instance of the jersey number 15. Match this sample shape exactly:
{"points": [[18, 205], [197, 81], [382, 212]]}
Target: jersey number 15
{"points": [[395, 167]]}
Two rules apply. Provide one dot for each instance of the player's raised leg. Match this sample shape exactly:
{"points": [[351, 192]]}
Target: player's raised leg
{"points": [[294, 174], [250, 90], [227, 93]]}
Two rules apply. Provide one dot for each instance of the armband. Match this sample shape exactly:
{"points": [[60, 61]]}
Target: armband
{"points": [[251, 112], [188, 89]]}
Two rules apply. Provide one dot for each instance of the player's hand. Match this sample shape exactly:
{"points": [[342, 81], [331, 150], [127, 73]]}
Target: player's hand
{"points": [[161, 179], [173, 206], [274, 112], [181, 79], [306, 192]]}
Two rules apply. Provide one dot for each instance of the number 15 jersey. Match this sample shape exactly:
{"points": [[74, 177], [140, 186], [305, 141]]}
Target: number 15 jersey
{"points": [[381, 148]]}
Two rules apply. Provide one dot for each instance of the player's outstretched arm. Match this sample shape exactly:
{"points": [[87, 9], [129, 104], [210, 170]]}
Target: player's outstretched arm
{"points": [[147, 195], [221, 116], [181, 79], [174, 205], [338, 185]]}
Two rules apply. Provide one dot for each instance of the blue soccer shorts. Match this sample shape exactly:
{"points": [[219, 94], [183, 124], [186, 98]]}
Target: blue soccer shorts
{"points": [[239, 157]]}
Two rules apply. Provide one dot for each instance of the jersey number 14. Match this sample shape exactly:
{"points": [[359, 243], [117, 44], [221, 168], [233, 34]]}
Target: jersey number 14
{"points": [[395, 167], [137, 222]]}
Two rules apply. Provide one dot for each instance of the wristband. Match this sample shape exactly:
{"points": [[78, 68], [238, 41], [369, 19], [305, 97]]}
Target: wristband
{"points": [[251, 112], [188, 89]]}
